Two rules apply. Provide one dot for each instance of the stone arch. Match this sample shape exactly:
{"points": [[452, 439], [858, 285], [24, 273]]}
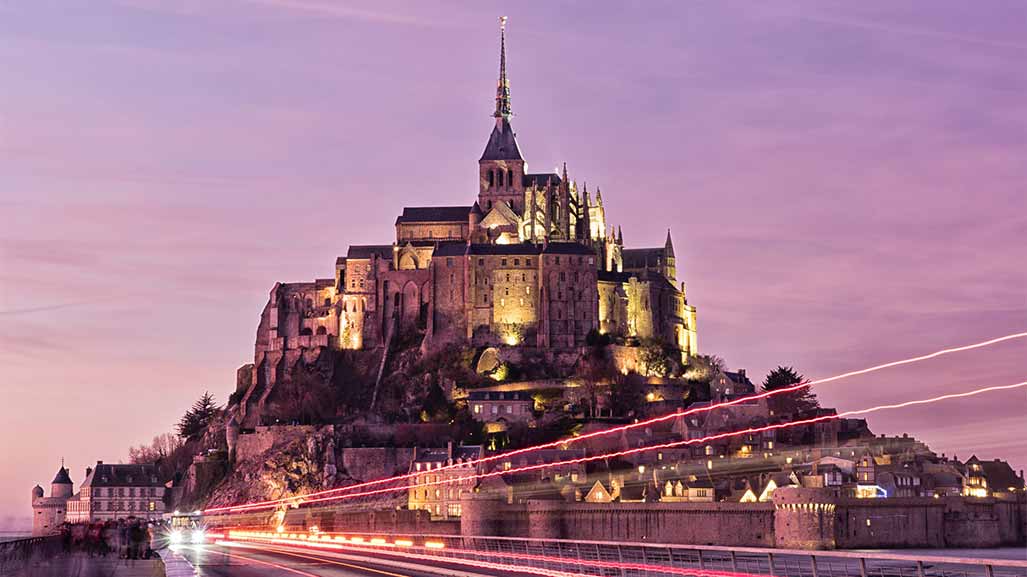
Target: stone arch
{"points": [[410, 303], [321, 330], [408, 260]]}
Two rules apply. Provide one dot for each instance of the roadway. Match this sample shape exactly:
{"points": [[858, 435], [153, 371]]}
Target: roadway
{"points": [[259, 561]]}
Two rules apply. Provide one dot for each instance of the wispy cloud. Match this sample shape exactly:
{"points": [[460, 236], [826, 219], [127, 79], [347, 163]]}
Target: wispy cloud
{"points": [[898, 29]]}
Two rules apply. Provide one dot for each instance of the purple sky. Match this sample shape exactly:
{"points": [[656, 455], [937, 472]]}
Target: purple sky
{"points": [[845, 183]]}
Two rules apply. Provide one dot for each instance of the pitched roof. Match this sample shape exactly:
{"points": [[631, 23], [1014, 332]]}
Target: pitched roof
{"points": [[140, 475], [364, 251], [567, 248], [501, 249], [502, 143], [451, 248], [499, 396], [539, 180], [434, 214], [62, 477], [635, 258]]}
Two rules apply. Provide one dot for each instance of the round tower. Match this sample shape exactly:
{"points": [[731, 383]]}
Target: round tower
{"points": [[37, 493], [61, 487], [804, 518]]}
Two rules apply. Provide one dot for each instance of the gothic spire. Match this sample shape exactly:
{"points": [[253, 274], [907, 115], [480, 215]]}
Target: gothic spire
{"points": [[503, 87], [599, 196], [668, 247]]}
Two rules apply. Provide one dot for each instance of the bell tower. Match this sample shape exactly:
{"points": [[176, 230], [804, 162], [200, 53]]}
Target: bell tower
{"points": [[501, 167]]}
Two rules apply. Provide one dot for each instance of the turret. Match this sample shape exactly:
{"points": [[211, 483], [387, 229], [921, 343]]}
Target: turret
{"points": [[37, 493], [61, 487], [669, 262]]}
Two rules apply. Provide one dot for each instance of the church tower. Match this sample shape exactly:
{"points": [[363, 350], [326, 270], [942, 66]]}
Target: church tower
{"points": [[501, 167]]}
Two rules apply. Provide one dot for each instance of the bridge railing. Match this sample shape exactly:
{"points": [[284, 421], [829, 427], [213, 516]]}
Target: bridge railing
{"points": [[20, 553], [613, 559]]}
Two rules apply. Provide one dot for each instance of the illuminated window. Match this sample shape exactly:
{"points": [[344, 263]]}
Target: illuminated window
{"points": [[477, 409]]}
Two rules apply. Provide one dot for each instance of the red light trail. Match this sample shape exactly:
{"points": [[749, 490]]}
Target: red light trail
{"points": [[419, 557], [619, 565], [563, 442], [671, 445]]}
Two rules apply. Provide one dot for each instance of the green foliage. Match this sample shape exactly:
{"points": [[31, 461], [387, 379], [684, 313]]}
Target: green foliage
{"points": [[798, 401], [194, 423], [703, 368], [654, 359]]}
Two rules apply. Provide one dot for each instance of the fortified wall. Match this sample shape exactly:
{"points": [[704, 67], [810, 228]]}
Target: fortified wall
{"points": [[796, 519]]}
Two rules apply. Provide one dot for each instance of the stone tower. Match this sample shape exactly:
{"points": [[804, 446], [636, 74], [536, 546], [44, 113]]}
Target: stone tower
{"points": [[501, 167], [61, 487]]}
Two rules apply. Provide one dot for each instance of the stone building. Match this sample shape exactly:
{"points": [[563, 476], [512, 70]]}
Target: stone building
{"points": [[49, 513], [107, 492], [118, 491], [436, 486], [530, 261]]}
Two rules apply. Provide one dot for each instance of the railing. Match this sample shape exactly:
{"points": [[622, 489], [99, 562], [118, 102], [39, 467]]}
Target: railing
{"points": [[17, 554], [611, 559]]}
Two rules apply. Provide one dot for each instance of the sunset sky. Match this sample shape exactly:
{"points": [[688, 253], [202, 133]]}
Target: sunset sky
{"points": [[846, 183]]}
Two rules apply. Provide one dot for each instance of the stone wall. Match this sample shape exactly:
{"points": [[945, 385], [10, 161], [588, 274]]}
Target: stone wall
{"points": [[797, 519], [367, 464], [750, 525], [252, 445]]}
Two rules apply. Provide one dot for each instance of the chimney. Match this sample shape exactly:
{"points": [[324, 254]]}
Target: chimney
{"points": [[89, 471], [99, 462], [741, 373]]}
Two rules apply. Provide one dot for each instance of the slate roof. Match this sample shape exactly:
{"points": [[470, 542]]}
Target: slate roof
{"points": [[499, 396], [514, 249], [364, 251], [502, 144], [614, 276], [62, 477], [637, 258], [465, 452], [567, 248], [142, 475], [451, 248], [999, 474], [434, 214], [539, 180]]}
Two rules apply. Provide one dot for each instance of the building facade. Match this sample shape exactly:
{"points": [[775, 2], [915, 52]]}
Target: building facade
{"points": [[532, 261], [108, 492]]}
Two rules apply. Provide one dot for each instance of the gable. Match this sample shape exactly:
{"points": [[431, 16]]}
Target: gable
{"points": [[500, 215]]}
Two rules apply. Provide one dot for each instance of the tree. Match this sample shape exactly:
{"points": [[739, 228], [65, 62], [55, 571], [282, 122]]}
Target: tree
{"points": [[194, 423], [162, 447], [703, 368], [798, 401], [653, 359]]}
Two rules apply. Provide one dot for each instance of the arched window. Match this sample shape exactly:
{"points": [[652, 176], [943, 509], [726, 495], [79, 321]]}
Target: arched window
{"points": [[509, 178], [492, 178], [321, 331]]}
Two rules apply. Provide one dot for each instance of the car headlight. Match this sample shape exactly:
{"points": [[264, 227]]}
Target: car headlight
{"points": [[198, 536], [175, 537]]}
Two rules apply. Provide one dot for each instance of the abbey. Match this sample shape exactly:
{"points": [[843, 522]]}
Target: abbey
{"points": [[532, 261]]}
